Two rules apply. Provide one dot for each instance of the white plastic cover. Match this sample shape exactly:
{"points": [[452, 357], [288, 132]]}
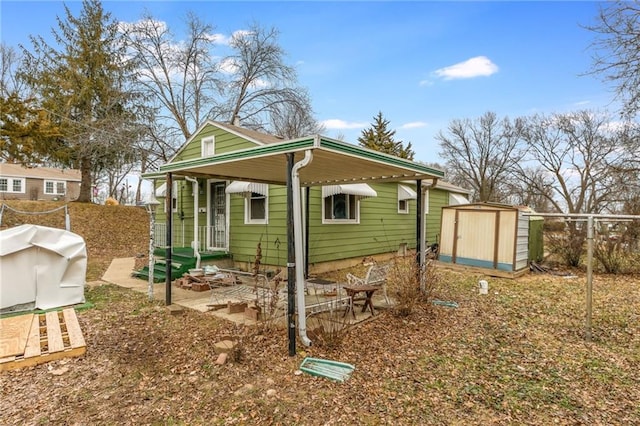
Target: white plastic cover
{"points": [[41, 267]]}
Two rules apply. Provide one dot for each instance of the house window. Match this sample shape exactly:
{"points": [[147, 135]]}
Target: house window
{"points": [[405, 193], [12, 185], [403, 206], [55, 187], [208, 146], [341, 208], [255, 209]]}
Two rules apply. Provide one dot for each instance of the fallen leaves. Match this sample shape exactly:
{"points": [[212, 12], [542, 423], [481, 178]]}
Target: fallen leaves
{"points": [[515, 357]]}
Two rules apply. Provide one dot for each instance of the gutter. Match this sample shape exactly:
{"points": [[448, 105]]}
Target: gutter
{"points": [[195, 243], [299, 245]]}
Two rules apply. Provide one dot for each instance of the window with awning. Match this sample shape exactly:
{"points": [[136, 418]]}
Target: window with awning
{"points": [[256, 206], [241, 187], [341, 203], [405, 194], [361, 190]]}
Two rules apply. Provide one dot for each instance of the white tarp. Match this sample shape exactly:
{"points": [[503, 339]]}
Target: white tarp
{"points": [[41, 267]]}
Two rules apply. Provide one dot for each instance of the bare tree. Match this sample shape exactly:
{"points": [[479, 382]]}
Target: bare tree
{"points": [[537, 195], [189, 84], [180, 77], [260, 85], [480, 154], [292, 120], [617, 50], [580, 154]]}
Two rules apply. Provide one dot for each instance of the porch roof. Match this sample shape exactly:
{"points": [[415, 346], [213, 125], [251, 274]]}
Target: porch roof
{"points": [[334, 163]]}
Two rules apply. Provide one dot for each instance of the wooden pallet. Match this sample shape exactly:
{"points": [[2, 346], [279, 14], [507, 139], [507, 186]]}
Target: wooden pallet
{"points": [[33, 339]]}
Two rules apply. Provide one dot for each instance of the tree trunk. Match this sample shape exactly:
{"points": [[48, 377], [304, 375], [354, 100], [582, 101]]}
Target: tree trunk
{"points": [[85, 181]]}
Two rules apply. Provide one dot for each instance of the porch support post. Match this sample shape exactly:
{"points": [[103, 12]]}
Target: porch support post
{"points": [[419, 225], [291, 259], [167, 255]]}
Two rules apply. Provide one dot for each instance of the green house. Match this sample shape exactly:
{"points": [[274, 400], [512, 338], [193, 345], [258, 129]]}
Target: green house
{"points": [[228, 197]]}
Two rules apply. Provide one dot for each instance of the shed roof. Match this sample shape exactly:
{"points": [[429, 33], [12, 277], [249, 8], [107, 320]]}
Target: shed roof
{"points": [[334, 162]]}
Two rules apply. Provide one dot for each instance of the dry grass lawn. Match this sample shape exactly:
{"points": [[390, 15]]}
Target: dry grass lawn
{"points": [[515, 356]]}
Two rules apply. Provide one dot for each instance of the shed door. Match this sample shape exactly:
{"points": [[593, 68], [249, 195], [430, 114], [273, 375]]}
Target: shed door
{"points": [[475, 237]]}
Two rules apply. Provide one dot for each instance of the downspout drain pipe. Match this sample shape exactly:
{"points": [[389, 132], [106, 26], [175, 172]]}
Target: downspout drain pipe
{"points": [[423, 233], [299, 246], [195, 243]]}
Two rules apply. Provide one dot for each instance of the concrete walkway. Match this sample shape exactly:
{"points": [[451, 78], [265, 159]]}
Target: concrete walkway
{"points": [[120, 273]]}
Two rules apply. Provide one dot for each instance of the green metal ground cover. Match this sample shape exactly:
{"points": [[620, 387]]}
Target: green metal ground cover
{"points": [[334, 370]]}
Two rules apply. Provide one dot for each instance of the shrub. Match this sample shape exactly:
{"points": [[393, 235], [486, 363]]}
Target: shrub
{"points": [[404, 284], [568, 245], [327, 329]]}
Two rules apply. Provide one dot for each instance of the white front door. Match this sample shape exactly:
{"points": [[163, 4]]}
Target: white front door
{"points": [[217, 224]]}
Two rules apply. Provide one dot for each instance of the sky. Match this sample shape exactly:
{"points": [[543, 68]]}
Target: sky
{"points": [[421, 63]]}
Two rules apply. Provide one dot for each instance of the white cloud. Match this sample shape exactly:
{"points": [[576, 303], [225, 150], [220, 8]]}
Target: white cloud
{"points": [[479, 66], [414, 125], [335, 123], [259, 84], [582, 103], [219, 38], [423, 83], [228, 66]]}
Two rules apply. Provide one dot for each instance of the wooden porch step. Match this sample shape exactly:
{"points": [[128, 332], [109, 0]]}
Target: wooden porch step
{"points": [[32, 339]]}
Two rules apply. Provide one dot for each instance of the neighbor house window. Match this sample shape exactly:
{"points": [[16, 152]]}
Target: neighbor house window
{"points": [[255, 208], [341, 208], [12, 185], [55, 187], [208, 146]]}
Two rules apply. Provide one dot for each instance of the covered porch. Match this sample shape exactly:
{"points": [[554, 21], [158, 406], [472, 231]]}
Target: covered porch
{"points": [[296, 164]]}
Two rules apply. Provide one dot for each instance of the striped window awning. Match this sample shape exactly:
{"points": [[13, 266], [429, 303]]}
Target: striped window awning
{"points": [[241, 187], [406, 193], [360, 189]]}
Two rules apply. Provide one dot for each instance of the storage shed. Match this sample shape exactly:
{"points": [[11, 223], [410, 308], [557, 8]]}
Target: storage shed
{"points": [[494, 237]]}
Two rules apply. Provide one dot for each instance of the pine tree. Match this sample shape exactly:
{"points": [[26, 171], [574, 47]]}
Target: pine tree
{"points": [[379, 138], [83, 83]]}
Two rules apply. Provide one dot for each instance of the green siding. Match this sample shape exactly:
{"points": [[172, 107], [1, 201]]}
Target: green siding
{"points": [[244, 238], [536, 240], [438, 199], [224, 142], [381, 229]]}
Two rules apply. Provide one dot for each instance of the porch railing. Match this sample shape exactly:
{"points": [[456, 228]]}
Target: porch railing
{"points": [[208, 236], [178, 236]]}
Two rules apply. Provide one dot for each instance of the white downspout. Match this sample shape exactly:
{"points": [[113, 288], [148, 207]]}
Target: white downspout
{"points": [[299, 246], [195, 243], [423, 233]]}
